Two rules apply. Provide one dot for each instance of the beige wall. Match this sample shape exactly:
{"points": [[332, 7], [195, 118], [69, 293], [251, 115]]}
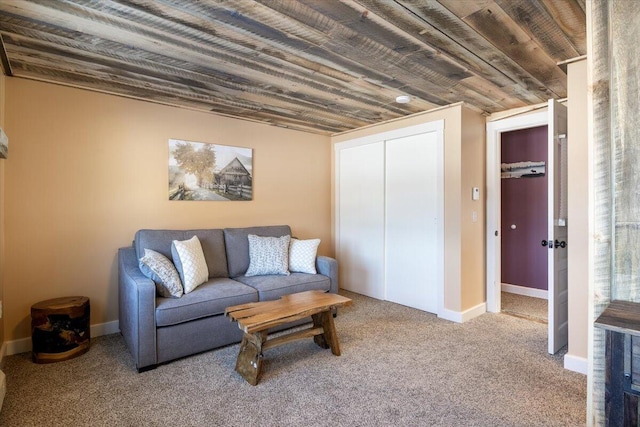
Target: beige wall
{"points": [[578, 208], [2, 204], [87, 170], [473, 233], [457, 211]]}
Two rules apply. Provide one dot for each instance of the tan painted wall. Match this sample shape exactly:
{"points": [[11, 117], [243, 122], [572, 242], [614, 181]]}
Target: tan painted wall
{"points": [[2, 204], [473, 233], [455, 209], [87, 170], [578, 208]]}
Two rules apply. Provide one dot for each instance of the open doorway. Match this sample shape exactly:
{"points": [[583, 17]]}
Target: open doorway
{"points": [[524, 197], [554, 241]]}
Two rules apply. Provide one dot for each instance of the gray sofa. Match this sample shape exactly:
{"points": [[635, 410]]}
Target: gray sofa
{"points": [[158, 329]]}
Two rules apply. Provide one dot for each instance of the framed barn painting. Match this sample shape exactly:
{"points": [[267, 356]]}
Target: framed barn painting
{"points": [[202, 171]]}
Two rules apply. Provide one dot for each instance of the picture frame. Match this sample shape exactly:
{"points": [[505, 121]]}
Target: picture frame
{"points": [[200, 171]]}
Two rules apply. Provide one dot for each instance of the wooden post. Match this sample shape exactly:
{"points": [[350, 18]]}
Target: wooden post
{"points": [[60, 329], [249, 362]]}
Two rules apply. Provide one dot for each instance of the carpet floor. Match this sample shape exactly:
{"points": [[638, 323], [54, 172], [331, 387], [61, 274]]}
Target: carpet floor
{"points": [[399, 366], [523, 306]]}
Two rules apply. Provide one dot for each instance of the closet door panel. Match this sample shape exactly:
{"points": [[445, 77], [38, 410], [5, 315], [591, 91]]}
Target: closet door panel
{"points": [[411, 257], [361, 219]]}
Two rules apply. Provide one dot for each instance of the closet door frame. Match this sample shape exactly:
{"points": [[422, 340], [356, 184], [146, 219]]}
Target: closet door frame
{"points": [[434, 126]]}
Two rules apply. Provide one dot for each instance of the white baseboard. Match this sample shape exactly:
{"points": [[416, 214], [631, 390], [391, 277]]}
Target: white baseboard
{"points": [[107, 328], [463, 316], [24, 344], [576, 364], [523, 290]]}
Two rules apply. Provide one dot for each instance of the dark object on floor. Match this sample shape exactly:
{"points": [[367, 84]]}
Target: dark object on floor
{"points": [[621, 320], [60, 329]]}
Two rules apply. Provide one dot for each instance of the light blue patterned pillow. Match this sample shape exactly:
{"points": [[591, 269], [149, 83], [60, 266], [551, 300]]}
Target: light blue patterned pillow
{"points": [[302, 255], [161, 270], [268, 255]]}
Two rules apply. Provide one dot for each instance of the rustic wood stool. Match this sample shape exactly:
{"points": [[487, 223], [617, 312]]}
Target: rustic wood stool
{"points": [[256, 318], [60, 329]]}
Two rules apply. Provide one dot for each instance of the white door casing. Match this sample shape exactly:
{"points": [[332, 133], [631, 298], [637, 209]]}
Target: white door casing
{"points": [[494, 131], [558, 225], [555, 118]]}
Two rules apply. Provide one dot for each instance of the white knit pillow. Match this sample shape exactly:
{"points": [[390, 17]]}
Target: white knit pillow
{"points": [[302, 255], [190, 263], [268, 255]]}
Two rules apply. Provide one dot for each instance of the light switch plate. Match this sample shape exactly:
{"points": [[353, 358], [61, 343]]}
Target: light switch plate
{"points": [[475, 193]]}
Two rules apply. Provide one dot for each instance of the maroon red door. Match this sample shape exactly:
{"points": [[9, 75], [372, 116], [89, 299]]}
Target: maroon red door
{"points": [[524, 209]]}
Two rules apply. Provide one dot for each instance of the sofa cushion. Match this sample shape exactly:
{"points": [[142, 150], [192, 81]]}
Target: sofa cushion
{"points": [[190, 263], [157, 240], [208, 299], [273, 287], [302, 255], [212, 241], [268, 255], [161, 270], [237, 245]]}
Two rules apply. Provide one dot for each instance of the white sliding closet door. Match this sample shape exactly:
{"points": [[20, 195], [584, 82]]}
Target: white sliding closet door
{"points": [[361, 219], [411, 221]]}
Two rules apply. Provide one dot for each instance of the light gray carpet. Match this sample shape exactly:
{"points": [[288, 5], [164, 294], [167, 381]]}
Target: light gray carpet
{"points": [[523, 306], [399, 366]]}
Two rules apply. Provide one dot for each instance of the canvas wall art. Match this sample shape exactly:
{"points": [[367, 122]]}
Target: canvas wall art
{"points": [[202, 171], [523, 169], [4, 145]]}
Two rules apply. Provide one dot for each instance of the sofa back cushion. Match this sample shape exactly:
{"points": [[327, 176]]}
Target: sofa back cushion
{"points": [[237, 243], [212, 241]]}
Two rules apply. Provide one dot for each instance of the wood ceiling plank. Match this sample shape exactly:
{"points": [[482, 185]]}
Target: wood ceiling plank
{"points": [[354, 112], [409, 23], [570, 16], [330, 65], [30, 71], [262, 15], [344, 89], [424, 82], [270, 80], [246, 102], [497, 27], [533, 18], [447, 32]]}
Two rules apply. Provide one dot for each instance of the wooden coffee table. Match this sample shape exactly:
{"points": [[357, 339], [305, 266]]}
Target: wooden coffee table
{"points": [[257, 317]]}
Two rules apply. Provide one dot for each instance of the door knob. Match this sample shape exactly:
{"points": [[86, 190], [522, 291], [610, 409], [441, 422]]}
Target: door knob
{"points": [[544, 243], [562, 244]]}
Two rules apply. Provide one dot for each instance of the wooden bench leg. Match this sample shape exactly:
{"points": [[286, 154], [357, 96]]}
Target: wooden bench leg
{"points": [[249, 362], [329, 339]]}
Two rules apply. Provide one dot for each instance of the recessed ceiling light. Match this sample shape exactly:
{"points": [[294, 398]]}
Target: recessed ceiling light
{"points": [[403, 99]]}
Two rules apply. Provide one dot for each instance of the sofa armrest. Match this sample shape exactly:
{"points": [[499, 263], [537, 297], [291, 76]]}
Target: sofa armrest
{"points": [[328, 266], [137, 307]]}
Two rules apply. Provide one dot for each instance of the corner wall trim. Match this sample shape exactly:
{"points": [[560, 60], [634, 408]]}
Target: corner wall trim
{"points": [[463, 316], [23, 345], [576, 364]]}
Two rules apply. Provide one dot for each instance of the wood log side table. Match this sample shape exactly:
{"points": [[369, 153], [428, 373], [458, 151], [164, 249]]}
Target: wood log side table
{"points": [[60, 329]]}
